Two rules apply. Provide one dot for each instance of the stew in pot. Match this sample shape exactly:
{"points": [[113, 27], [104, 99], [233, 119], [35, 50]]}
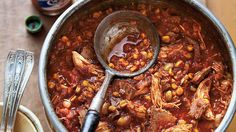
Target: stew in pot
{"points": [[188, 89]]}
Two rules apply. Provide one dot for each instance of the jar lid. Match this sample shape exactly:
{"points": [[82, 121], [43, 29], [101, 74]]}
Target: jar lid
{"points": [[33, 24]]}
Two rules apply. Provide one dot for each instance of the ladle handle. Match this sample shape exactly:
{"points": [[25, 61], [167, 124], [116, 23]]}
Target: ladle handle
{"points": [[92, 117], [91, 121]]}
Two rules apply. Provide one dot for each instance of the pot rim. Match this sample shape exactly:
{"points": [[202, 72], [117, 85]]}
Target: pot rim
{"points": [[58, 126]]}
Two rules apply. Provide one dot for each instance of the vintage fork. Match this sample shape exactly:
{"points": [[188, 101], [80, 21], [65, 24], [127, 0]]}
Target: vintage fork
{"points": [[9, 72], [19, 65]]}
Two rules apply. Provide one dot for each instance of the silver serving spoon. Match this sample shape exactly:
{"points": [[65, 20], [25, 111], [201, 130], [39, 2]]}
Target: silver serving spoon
{"points": [[112, 27]]}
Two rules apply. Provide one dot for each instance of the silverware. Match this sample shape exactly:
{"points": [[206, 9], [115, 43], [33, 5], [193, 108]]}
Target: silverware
{"points": [[19, 65], [9, 72]]}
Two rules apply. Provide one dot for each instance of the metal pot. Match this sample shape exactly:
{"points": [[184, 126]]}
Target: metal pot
{"points": [[209, 23]]}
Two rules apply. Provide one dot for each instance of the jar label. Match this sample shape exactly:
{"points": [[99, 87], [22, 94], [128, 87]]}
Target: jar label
{"points": [[52, 4], [47, 3]]}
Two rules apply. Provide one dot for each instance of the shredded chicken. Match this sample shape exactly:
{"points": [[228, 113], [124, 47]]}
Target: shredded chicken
{"points": [[201, 101], [143, 87], [209, 115], [156, 95], [198, 107], [136, 109], [170, 51], [197, 27], [199, 76], [103, 127], [125, 88], [180, 128], [144, 83], [114, 114], [139, 77], [218, 67], [88, 53], [161, 119], [225, 86], [196, 32], [82, 112], [218, 118], [142, 91], [84, 66]]}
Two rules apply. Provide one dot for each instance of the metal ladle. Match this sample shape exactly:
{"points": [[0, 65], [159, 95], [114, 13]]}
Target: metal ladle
{"points": [[112, 27]]}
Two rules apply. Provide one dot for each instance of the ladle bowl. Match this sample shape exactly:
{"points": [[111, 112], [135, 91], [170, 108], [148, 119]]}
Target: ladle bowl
{"points": [[112, 27], [118, 25]]}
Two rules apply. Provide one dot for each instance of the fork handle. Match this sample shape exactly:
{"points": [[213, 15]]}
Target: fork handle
{"points": [[9, 72], [19, 72]]}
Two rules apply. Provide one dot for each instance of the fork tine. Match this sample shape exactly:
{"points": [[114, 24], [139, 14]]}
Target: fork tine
{"points": [[9, 72]]}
